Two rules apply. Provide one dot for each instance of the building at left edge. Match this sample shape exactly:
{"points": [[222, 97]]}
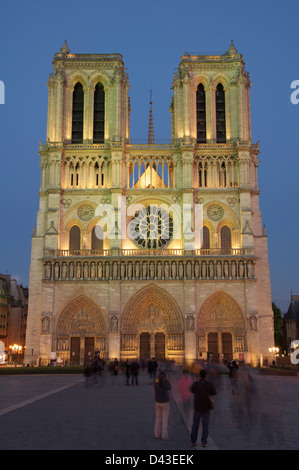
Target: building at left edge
{"points": [[13, 320], [151, 249]]}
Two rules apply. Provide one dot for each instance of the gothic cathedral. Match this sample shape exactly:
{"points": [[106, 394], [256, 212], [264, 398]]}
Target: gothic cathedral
{"points": [[149, 250]]}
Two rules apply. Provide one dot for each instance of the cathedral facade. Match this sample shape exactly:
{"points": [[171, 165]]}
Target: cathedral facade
{"points": [[149, 250]]}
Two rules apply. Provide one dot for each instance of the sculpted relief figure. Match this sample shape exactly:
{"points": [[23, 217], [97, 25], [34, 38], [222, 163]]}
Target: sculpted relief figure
{"points": [[114, 324], [46, 324], [92, 271], [253, 323], [190, 323], [173, 270], [137, 271]]}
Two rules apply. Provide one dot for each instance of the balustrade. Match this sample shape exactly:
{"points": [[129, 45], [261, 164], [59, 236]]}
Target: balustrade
{"points": [[147, 269]]}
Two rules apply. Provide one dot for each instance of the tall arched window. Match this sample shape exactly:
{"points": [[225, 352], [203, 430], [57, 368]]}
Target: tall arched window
{"points": [[226, 239], [96, 240], [75, 235], [201, 114], [205, 238], [99, 114], [220, 114], [77, 117]]}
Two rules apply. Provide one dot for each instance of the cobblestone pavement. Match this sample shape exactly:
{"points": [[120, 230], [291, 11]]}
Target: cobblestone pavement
{"points": [[57, 412]]}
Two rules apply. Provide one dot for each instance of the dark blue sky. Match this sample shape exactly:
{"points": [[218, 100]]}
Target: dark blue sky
{"points": [[152, 37]]}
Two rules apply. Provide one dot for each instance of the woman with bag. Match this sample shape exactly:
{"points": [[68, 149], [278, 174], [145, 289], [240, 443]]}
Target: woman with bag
{"points": [[162, 387]]}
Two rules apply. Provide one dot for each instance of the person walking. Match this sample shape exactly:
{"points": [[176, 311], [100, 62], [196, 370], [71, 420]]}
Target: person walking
{"points": [[162, 388], [202, 390], [184, 386]]}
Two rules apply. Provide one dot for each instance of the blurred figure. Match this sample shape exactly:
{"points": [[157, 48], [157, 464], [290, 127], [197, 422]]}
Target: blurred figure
{"points": [[134, 372], [151, 370], [115, 366], [114, 371], [184, 386], [162, 387], [249, 392], [94, 365], [128, 371], [87, 376], [233, 376], [202, 390], [101, 369]]}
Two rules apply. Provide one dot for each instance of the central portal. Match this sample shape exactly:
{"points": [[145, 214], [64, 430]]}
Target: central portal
{"points": [[152, 326]]}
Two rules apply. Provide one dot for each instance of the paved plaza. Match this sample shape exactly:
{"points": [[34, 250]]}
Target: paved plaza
{"points": [[57, 412]]}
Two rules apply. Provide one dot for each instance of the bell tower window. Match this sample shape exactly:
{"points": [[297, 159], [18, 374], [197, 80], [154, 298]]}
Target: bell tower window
{"points": [[201, 114], [99, 114], [220, 114], [77, 117]]}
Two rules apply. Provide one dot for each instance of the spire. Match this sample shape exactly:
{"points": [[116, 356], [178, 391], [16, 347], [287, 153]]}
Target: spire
{"points": [[151, 126], [65, 48], [232, 50]]}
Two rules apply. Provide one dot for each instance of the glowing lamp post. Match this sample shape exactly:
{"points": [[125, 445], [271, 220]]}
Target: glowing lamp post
{"points": [[15, 350], [274, 350]]}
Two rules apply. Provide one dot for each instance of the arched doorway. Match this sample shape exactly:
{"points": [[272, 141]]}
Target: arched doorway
{"points": [[152, 326], [220, 328], [80, 332]]}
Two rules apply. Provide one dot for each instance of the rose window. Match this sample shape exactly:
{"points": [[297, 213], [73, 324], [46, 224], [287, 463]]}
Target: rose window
{"points": [[151, 227]]}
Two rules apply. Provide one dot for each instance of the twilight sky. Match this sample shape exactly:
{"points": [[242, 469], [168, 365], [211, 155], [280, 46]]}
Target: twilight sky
{"points": [[152, 36]]}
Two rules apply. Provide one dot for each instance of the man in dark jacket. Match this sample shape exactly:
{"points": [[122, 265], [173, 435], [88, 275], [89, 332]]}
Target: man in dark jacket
{"points": [[202, 390]]}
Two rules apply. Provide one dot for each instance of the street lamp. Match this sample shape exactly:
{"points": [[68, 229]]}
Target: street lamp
{"points": [[15, 350], [274, 350]]}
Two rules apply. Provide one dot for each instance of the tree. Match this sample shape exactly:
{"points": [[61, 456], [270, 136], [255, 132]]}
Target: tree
{"points": [[277, 325]]}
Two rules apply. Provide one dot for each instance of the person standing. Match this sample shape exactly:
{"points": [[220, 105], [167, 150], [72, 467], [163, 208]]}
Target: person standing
{"points": [[202, 390], [162, 388]]}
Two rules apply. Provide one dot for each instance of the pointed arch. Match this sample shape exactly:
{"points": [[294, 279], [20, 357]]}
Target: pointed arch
{"points": [[220, 311], [81, 316], [74, 238], [133, 317]]}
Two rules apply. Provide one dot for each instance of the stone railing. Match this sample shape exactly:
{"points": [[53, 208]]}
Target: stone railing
{"points": [[150, 268], [211, 252]]}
